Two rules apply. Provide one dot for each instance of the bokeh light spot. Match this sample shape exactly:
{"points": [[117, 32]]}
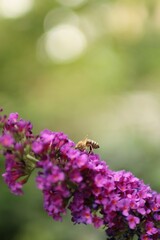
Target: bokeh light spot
{"points": [[15, 8], [64, 43]]}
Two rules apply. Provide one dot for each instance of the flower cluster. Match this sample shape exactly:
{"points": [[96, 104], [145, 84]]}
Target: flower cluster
{"points": [[80, 181], [16, 139]]}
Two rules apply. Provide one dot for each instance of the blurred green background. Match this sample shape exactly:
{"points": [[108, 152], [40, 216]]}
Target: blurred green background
{"points": [[84, 67]]}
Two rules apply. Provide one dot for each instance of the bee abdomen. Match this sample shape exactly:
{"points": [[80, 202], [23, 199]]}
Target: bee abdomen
{"points": [[92, 143]]}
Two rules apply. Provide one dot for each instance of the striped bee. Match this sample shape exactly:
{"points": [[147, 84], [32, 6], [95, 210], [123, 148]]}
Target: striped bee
{"points": [[87, 143]]}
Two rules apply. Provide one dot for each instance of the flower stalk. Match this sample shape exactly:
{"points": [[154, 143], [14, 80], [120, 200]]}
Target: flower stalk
{"points": [[31, 158]]}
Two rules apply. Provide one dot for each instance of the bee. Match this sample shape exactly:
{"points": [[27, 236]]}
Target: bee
{"points": [[87, 143]]}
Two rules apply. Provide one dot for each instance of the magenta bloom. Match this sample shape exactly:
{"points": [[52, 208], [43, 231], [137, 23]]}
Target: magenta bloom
{"points": [[150, 228], [13, 125], [14, 171], [97, 221], [146, 237], [124, 205], [132, 221], [13, 118], [6, 140], [16, 139]]}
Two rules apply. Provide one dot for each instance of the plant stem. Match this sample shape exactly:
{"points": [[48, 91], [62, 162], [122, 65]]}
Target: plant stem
{"points": [[31, 158]]}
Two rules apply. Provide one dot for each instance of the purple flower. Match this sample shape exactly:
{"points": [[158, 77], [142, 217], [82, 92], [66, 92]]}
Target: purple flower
{"points": [[13, 117], [82, 160], [6, 140], [150, 228], [37, 147], [132, 221], [14, 171], [52, 174], [146, 237], [75, 176], [97, 221], [16, 139], [157, 216], [54, 204], [47, 136], [20, 127], [100, 180], [85, 216], [124, 206]]}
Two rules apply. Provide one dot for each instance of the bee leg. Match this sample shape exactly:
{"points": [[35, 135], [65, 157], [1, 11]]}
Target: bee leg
{"points": [[90, 149]]}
